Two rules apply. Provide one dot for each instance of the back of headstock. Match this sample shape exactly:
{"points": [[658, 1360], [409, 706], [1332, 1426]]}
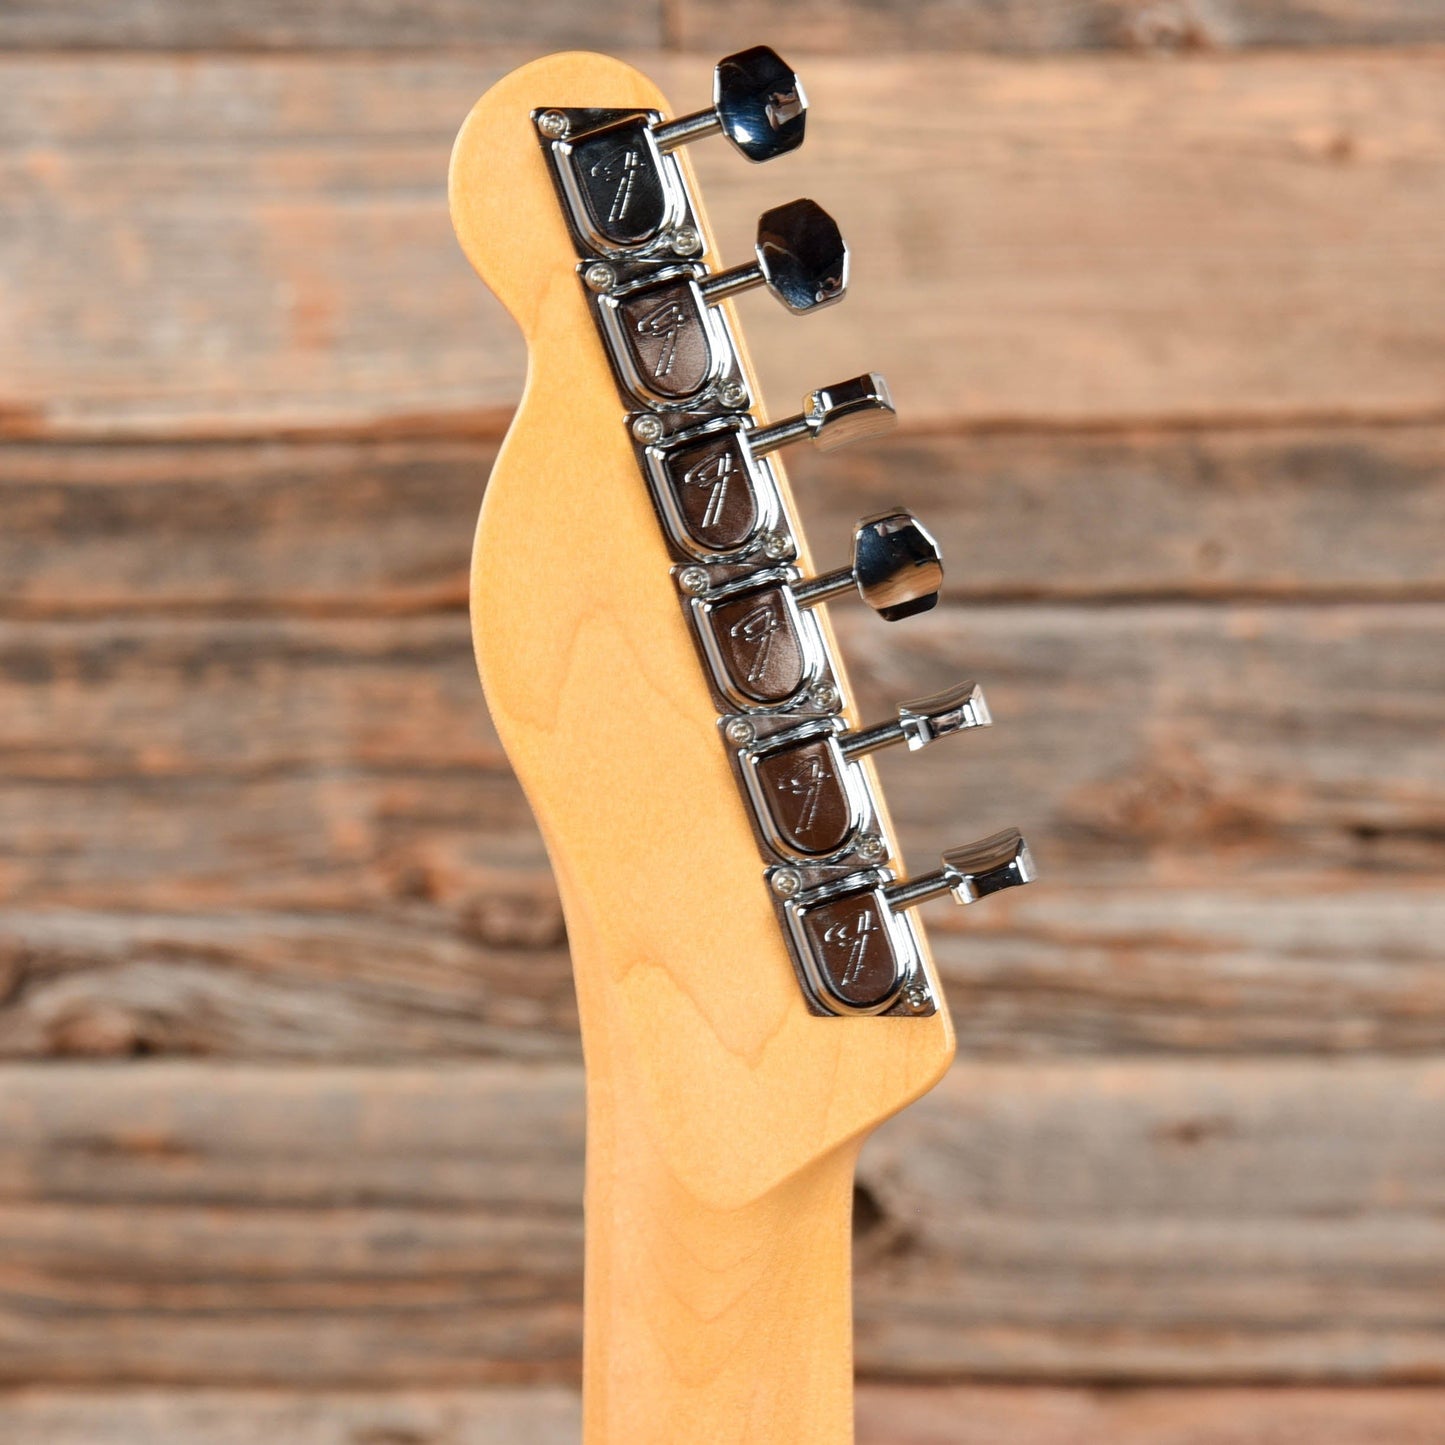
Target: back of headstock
{"points": [[755, 995]]}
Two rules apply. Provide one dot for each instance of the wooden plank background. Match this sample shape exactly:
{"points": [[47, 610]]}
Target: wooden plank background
{"points": [[290, 1093]]}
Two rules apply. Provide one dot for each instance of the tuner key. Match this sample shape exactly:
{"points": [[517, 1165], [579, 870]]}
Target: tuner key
{"points": [[897, 568], [758, 104], [801, 259], [924, 721], [971, 872], [833, 416]]}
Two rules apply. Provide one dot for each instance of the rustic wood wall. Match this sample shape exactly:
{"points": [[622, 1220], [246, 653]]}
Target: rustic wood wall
{"points": [[290, 1092]]}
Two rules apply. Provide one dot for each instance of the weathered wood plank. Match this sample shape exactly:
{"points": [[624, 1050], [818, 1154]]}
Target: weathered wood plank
{"points": [[887, 1415], [1343, 968], [372, 527], [418, 983], [1041, 26], [1145, 1221], [233, 245], [385, 526], [329, 25], [151, 763], [989, 1415], [711, 26]]}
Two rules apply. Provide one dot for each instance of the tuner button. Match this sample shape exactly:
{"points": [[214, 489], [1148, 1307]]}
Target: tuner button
{"points": [[802, 255], [801, 259], [924, 721], [833, 416], [758, 104], [897, 568], [971, 872]]}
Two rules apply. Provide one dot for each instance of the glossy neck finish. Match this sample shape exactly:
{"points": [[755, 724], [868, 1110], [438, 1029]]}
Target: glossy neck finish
{"points": [[715, 1326]]}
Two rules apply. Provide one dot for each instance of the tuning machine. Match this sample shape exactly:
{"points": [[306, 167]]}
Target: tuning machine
{"points": [[719, 500], [664, 333], [764, 647], [812, 801], [624, 189], [855, 940]]}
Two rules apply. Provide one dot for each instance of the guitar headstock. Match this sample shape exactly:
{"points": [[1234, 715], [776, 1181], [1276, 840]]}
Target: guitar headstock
{"points": [[754, 988]]}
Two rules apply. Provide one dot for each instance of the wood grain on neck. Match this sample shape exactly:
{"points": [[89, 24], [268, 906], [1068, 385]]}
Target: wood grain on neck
{"points": [[723, 1117]]}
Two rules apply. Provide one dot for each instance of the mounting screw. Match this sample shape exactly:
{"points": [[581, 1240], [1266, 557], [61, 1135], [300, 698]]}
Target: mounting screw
{"points": [[647, 429], [823, 696], [740, 732], [786, 882], [599, 276], [686, 241], [732, 393], [552, 124], [871, 848], [777, 545], [915, 999], [693, 580]]}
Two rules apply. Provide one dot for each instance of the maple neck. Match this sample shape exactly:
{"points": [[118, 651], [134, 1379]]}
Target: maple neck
{"points": [[711, 1324]]}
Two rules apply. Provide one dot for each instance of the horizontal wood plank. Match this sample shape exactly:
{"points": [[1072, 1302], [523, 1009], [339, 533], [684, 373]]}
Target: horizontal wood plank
{"points": [[1040, 26], [386, 526], [887, 1415], [711, 27], [238, 245], [245, 25], [322, 764], [1346, 968], [1237, 807], [1144, 1221]]}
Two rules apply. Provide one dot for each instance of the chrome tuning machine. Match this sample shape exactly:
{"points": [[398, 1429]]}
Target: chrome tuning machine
{"points": [[623, 187], [857, 944], [800, 256], [897, 569], [764, 649], [757, 103], [812, 802], [718, 502], [665, 336]]}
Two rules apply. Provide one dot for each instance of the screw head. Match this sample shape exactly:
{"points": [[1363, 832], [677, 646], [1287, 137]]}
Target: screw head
{"points": [[777, 545], [871, 848], [686, 241], [916, 1000], [824, 696], [647, 429], [740, 732], [693, 580], [599, 276], [732, 393], [786, 882], [552, 124]]}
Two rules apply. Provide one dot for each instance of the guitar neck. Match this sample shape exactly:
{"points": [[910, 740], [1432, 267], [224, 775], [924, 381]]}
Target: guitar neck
{"points": [[755, 993], [709, 1323]]}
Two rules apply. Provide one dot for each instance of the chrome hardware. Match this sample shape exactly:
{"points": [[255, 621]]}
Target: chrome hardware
{"points": [[971, 872], [833, 416], [801, 259], [624, 196], [855, 941], [668, 345], [857, 954], [758, 104], [717, 495], [809, 800], [897, 568], [924, 721], [763, 652]]}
